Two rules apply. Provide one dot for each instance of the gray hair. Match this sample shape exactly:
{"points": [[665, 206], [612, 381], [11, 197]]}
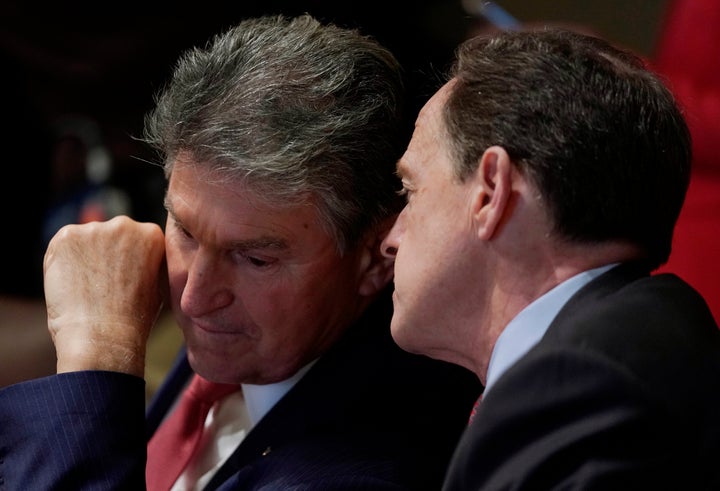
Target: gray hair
{"points": [[298, 111]]}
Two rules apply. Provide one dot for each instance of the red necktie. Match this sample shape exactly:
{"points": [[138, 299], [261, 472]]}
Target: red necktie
{"points": [[174, 443]]}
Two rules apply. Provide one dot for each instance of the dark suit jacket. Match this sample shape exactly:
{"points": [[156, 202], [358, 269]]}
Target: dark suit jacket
{"points": [[367, 415], [622, 393]]}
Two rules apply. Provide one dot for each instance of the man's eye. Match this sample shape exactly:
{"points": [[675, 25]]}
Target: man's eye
{"points": [[183, 231], [406, 193], [257, 261], [407, 189]]}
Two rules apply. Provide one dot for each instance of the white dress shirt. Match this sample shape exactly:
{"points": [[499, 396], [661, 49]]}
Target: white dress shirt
{"points": [[528, 327], [226, 425]]}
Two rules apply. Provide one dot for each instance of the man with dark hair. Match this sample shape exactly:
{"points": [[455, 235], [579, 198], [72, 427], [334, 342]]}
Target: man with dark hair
{"points": [[543, 183]]}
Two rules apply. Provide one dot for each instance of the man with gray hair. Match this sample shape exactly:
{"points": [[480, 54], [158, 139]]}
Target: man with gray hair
{"points": [[278, 140]]}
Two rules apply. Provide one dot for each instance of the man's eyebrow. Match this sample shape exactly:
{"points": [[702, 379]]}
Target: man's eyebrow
{"points": [[167, 205], [401, 169], [171, 212], [258, 243]]}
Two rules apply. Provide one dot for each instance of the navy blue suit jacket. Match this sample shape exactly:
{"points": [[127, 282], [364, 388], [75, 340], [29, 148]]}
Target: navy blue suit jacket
{"points": [[367, 415], [622, 393]]}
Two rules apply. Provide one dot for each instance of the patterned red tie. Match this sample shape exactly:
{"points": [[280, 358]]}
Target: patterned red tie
{"points": [[174, 443]]}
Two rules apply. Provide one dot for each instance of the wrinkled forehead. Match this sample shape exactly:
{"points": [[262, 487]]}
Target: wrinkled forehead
{"points": [[243, 180]]}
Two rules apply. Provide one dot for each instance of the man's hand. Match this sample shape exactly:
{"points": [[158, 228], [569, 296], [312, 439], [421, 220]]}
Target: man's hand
{"points": [[104, 287]]}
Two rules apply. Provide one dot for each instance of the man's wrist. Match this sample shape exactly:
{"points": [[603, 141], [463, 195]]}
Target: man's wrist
{"points": [[93, 354]]}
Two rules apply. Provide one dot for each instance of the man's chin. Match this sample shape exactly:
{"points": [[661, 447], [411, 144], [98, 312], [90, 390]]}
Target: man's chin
{"points": [[401, 335], [210, 365]]}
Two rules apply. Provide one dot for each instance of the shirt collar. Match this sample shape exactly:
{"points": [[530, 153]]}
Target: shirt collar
{"points": [[261, 398], [528, 327]]}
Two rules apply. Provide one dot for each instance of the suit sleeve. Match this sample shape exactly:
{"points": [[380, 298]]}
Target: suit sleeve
{"points": [[569, 421], [79, 431]]}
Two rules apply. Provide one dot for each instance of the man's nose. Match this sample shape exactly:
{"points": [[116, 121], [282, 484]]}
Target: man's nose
{"points": [[391, 242]]}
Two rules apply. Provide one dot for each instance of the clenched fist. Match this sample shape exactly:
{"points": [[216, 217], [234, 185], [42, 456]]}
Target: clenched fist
{"points": [[104, 287]]}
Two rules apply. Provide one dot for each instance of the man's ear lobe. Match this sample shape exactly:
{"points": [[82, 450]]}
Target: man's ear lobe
{"points": [[493, 177], [376, 268]]}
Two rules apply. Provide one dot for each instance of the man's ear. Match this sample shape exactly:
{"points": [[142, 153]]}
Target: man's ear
{"points": [[493, 190], [376, 269]]}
